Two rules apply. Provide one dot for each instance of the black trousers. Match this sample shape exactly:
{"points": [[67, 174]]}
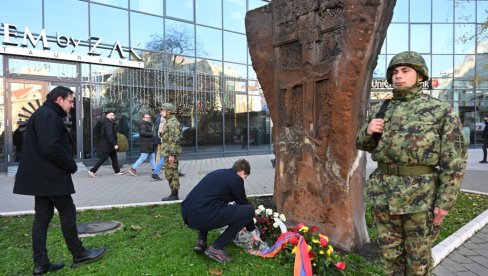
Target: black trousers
{"points": [[484, 147], [44, 210], [235, 217], [103, 157]]}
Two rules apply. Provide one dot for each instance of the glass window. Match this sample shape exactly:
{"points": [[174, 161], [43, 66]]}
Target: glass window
{"points": [[464, 42], [147, 6], [443, 11], [235, 70], [481, 66], [209, 67], [464, 66], [442, 66], [420, 10], [115, 29], [482, 39], [482, 9], [234, 13], [14, 12], [400, 12], [251, 73], [209, 43], [180, 8], [380, 70], [397, 38], [465, 11], [420, 38], [118, 3], [235, 47], [253, 4], [209, 12], [180, 38], [442, 36], [146, 30], [76, 26]]}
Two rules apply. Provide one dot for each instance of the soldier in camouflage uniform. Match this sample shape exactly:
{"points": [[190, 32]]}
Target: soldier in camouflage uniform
{"points": [[170, 149], [421, 153]]}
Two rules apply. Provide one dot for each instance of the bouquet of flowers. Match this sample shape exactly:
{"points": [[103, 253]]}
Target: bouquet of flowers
{"points": [[269, 224], [321, 254]]}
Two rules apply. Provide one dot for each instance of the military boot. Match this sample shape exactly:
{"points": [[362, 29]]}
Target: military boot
{"points": [[172, 196]]}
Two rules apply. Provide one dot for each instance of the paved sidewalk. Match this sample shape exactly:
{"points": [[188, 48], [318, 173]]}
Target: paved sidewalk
{"points": [[109, 190]]}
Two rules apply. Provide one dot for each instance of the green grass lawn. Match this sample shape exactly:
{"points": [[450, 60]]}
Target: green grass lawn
{"points": [[154, 241]]}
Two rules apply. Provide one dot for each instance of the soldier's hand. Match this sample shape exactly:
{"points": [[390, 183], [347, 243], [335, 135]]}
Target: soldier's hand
{"points": [[116, 147], [439, 215], [375, 126], [171, 160]]}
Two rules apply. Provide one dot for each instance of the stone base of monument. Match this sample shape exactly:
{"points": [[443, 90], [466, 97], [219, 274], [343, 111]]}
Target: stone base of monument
{"points": [[98, 227]]}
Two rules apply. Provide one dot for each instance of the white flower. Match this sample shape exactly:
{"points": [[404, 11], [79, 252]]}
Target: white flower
{"points": [[275, 225], [257, 211], [282, 217], [253, 219], [269, 212], [275, 215], [261, 207]]}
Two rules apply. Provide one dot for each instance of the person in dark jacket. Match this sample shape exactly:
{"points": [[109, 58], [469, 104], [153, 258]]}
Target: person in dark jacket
{"points": [[218, 200], [485, 140], [44, 171], [108, 146], [146, 144]]}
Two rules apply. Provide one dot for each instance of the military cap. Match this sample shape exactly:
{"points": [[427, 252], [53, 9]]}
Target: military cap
{"points": [[411, 59], [169, 107]]}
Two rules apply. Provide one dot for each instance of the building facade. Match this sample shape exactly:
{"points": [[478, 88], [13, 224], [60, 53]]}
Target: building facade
{"points": [[130, 56]]}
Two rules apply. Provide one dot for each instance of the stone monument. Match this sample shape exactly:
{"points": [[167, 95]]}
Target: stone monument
{"points": [[314, 60]]}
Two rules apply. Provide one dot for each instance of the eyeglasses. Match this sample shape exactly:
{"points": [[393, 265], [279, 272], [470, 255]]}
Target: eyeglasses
{"points": [[72, 101]]}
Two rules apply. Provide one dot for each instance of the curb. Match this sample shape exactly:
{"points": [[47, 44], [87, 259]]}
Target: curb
{"points": [[104, 207], [449, 244]]}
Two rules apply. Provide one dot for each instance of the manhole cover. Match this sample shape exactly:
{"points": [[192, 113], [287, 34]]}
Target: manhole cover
{"points": [[97, 227]]}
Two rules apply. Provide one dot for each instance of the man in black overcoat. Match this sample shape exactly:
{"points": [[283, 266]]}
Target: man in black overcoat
{"points": [[44, 171], [207, 207], [108, 146]]}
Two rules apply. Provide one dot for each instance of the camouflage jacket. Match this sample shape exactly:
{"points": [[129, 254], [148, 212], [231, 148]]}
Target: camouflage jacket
{"points": [[419, 130], [170, 140]]}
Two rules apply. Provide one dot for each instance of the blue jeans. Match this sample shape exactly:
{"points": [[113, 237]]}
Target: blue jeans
{"points": [[143, 158], [159, 166]]}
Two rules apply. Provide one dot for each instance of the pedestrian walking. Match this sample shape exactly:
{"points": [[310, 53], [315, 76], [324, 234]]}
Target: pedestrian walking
{"points": [[108, 145], [485, 140], [146, 144], [45, 171]]}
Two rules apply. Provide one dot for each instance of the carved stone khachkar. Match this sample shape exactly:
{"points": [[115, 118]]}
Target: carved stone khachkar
{"points": [[314, 60]]}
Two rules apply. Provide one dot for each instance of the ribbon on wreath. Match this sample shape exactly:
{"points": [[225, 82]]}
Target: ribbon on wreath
{"points": [[303, 264]]}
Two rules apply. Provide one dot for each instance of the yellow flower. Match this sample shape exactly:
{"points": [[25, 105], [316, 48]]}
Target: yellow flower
{"points": [[324, 237], [321, 252], [294, 250], [309, 248], [329, 251], [304, 229], [314, 240]]}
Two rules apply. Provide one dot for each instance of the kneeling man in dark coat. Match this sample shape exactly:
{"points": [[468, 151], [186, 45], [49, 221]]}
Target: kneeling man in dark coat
{"points": [[207, 207], [45, 169]]}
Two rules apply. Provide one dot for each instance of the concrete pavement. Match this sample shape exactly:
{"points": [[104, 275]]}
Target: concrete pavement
{"points": [[108, 191]]}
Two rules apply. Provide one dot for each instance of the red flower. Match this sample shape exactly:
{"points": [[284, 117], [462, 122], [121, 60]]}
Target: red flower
{"points": [[294, 240], [311, 255], [300, 225], [314, 229], [341, 265], [283, 245], [294, 230], [323, 242]]}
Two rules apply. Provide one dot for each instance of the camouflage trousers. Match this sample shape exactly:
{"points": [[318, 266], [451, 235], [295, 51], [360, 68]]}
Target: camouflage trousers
{"points": [[171, 173], [405, 241]]}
